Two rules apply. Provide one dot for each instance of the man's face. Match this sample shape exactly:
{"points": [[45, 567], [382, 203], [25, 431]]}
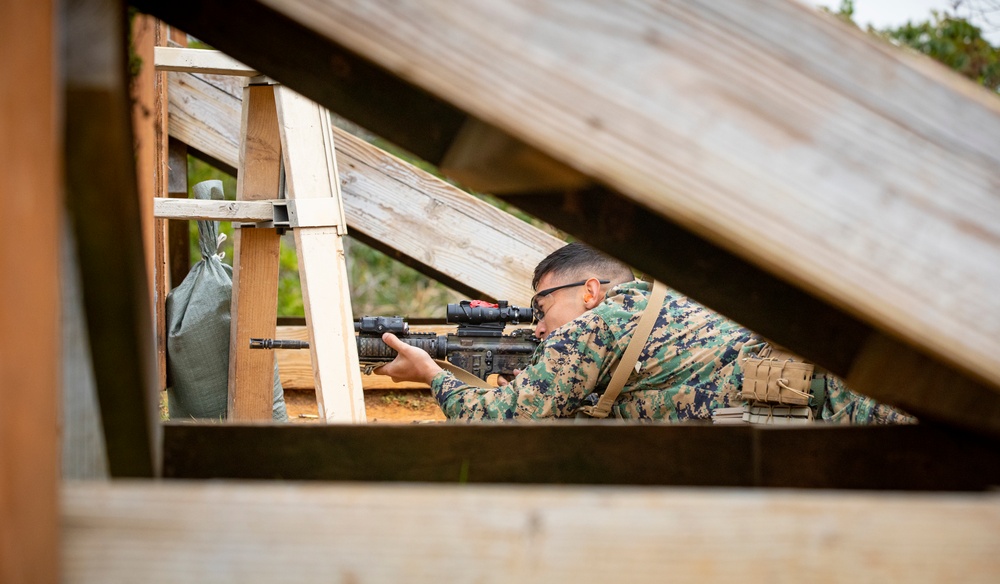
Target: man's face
{"points": [[559, 306]]}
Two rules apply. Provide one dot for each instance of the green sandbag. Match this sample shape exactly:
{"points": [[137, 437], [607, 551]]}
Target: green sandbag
{"points": [[198, 324]]}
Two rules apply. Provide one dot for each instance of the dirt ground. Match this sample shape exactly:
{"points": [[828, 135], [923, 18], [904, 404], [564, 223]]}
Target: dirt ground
{"points": [[381, 405], [395, 406]]}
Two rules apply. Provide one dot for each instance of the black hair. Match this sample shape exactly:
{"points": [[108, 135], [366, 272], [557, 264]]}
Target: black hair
{"points": [[581, 260]]}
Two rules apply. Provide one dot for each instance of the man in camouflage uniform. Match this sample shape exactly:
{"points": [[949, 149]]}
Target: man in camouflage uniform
{"points": [[587, 307]]}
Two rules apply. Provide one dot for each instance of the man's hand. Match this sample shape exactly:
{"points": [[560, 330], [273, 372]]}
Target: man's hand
{"points": [[502, 381], [411, 364]]}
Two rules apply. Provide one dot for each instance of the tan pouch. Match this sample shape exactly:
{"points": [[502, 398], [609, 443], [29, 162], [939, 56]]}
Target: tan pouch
{"points": [[773, 377]]}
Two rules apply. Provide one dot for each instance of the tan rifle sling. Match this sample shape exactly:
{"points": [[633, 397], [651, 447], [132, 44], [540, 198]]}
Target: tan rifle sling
{"points": [[461, 374], [631, 356]]}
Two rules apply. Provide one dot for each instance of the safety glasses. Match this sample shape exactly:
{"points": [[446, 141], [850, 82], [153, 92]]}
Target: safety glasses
{"points": [[539, 313]]}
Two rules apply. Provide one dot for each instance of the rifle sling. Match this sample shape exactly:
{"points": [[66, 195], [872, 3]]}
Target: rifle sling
{"points": [[631, 356], [461, 374]]}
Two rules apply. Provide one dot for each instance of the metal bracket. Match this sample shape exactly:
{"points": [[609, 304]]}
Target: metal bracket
{"points": [[301, 213]]}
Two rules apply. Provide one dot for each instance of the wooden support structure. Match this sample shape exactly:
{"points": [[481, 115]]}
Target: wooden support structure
{"points": [[255, 261], [104, 213], [287, 146], [420, 533], [307, 147], [788, 175], [753, 162], [917, 457], [30, 172], [389, 204]]}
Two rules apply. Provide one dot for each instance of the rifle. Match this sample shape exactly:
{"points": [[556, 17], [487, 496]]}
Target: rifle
{"points": [[478, 345]]}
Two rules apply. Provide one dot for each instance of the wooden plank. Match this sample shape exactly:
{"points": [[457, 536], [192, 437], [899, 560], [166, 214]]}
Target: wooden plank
{"points": [[255, 262], [919, 457], [562, 453], [149, 121], [30, 167], [355, 89], [307, 147], [390, 201], [203, 209], [418, 533], [200, 61], [105, 216]]}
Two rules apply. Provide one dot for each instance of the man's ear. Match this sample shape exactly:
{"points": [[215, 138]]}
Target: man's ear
{"points": [[592, 295]]}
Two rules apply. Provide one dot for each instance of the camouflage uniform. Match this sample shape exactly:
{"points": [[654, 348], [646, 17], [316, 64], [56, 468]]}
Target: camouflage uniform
{"points": [[688, 367]]}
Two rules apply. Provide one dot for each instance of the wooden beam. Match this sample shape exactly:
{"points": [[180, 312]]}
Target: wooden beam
{"points": [[204, 209], [105, 216], [388, 203], [425, 534], [309, 156], [355, 89], [730, 151], [914, 457], [200, 61], [30, 170], [255, 262], [149, 119]]}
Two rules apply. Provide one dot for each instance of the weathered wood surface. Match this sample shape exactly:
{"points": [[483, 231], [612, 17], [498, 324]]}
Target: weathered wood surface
{"points": [[918, 457], [206, 209], [445, 533], [200, 61], [255, 262], [307, 149], [30, 172], [104, 212], [795, 152], [387, 200]]}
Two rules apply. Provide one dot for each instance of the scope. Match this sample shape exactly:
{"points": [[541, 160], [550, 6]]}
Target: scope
{"points": [[382, 324], [478, 312]]}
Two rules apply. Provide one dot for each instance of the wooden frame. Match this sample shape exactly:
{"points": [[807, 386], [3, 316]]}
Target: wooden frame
{"points": [[744, 163], [381, 192]]}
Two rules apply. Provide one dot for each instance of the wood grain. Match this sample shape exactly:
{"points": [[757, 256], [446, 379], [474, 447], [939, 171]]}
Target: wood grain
{"points": [[428, 534], [255, 262], [311, 171], [200, 61]]}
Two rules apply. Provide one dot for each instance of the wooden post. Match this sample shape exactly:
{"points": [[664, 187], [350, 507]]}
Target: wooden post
{"points": [[255, 261], [30, 172], [149, 120], [311, 169]]}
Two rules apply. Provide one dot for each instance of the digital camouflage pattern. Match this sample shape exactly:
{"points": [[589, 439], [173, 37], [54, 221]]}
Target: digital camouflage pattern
{"points": [[688, 368]]}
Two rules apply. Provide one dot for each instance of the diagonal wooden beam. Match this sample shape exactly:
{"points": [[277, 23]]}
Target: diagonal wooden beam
{"points": [[389, 203]]}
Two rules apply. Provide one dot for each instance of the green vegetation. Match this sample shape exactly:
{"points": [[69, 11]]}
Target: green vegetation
{"points": [[946, 38]]}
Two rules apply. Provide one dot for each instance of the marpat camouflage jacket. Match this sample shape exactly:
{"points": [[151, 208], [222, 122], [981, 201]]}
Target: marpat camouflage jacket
{"points": [[689, 367]]}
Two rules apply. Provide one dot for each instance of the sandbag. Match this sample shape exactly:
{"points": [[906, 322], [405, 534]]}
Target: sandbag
{"points": [[198, 326]]}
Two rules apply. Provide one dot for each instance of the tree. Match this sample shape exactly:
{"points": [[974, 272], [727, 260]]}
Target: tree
{"points": [[948, 38]]}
